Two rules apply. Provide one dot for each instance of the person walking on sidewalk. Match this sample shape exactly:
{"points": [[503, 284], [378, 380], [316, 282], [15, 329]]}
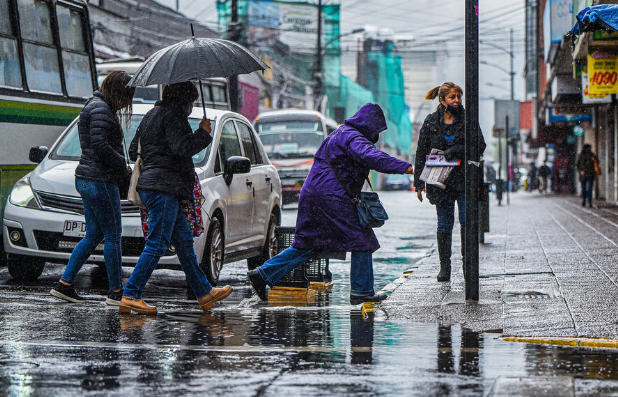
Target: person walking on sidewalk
{"points": [[101, 170], [544, 173], [587, 165], [168, 175], [327, 219], [444, 130]]}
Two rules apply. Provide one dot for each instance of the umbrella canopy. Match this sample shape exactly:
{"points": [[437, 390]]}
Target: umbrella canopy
{"points": [[196, 58], [603, 17]]}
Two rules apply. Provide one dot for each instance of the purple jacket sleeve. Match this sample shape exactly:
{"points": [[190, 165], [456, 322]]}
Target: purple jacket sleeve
{"points": [[363, 152]]}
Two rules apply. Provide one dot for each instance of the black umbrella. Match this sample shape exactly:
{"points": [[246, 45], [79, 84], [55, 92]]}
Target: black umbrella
{"points": [[196, 59]]}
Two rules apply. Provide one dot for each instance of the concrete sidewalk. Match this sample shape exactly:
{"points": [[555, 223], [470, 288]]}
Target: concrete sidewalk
{"points": [[548, 269]]}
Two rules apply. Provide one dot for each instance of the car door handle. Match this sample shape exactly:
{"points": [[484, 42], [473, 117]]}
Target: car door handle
{"points": [[249, 183], [267, 179]]}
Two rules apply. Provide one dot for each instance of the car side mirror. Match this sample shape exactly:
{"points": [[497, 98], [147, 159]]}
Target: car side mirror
{"points": [[38, 153], [235, 165]]}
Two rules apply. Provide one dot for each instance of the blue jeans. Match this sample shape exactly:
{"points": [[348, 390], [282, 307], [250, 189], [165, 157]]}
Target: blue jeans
{"points": [[167, 226], [445, 210], [103, 220], [361, 272], [587, 185]]}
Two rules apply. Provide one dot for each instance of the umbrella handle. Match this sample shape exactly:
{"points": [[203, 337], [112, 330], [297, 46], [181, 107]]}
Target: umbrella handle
{"points": [[202, 95]]}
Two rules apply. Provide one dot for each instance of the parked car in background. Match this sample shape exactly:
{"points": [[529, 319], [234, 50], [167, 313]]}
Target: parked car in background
{"points": [[291, 137], [398, 182], [43, 219]]}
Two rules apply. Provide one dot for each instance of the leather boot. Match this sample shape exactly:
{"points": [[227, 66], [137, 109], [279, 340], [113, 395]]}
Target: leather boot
{"points": [[128, 304], [444, 252], [463, 252], [216, 294]]}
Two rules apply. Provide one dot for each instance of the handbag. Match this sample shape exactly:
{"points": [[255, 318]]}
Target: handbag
{"points": [[597, 169], [132, 195], [124, 182], [371, 212]]}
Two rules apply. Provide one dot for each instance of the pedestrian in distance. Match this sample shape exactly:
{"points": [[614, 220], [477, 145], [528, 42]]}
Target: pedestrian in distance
{"points": [[587, 164], [532, 177], [444, 130], [327, 220], [102, 168], [544, 173], [167, 145]]}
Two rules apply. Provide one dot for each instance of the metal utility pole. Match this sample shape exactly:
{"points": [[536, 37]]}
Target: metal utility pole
{"points": [[472, 161], [512, 73], [318, 62], [234, 35], [508, 173]]}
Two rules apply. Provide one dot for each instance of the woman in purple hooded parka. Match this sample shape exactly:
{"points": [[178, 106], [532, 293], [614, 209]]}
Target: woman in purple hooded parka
{"points": [[327, 220]]}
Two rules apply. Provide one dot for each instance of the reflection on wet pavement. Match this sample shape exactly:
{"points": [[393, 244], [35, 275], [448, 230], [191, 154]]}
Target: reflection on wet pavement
{"points": [[246, 348]]}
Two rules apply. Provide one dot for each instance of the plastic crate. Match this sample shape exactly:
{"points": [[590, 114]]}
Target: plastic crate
{"points": [[312, 271]]}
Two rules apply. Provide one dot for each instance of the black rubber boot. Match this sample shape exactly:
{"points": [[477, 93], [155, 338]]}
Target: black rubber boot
{"points": [[444, 252], [463, 252]]}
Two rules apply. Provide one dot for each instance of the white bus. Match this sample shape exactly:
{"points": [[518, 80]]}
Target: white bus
{"points": [[291, 138], [47, 71]]}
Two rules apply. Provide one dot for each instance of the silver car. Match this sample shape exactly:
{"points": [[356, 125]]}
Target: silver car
{"points": [[43, 218]]}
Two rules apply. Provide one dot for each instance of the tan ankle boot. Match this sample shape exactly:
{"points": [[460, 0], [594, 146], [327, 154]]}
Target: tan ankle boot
{"points": [[216, 294], [128, 304]]}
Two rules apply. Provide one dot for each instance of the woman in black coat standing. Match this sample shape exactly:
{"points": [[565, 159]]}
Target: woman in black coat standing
{"points": [[102, 168], [444, 130]]}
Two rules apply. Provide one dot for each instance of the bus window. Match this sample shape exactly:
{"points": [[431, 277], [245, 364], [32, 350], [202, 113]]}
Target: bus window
{"points": [[74, 56], [10, 73], [218, 94], [40, 54]]}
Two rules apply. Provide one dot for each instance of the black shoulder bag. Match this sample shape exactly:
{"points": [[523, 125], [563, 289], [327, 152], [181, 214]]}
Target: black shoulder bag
{"points": [[371, 212]]}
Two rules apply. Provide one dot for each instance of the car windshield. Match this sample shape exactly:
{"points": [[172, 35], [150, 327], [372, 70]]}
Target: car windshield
{"points": [[69, 148], [290, 138], [398, 177]]}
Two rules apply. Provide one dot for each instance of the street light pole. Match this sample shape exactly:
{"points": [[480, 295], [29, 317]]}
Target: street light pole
{"points": [[318, 63], [472, 163]]}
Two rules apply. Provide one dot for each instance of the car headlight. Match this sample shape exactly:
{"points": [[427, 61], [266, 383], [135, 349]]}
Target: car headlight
{"points": [[22, 194]]}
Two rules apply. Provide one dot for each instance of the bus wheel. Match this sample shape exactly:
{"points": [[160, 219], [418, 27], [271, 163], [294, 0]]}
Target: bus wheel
{"points": [[25, 268]]}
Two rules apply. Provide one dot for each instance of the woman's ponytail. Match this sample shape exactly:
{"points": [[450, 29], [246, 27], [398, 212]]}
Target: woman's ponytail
{"points": [[433, 93]]}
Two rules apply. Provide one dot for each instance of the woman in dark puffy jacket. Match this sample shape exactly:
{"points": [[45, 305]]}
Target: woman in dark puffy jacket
{"points": [[102, 167], [167, 144], [444, 130]]}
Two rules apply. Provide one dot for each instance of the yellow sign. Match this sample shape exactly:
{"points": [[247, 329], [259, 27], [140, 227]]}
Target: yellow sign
{"points": [[602, 73]]}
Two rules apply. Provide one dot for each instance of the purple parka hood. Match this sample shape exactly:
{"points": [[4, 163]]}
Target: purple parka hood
{"points": [[369, 121]]}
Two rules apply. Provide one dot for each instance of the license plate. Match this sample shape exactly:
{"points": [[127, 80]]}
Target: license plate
{"points": [[74, 229]]}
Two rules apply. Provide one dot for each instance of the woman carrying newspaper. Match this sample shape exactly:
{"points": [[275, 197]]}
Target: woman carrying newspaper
{"points": [[443, 133]]}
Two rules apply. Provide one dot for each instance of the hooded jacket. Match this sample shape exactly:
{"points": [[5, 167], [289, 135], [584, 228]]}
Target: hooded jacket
{"points": [[100, 139], [430, 137], [327, 219], [167, 145]]}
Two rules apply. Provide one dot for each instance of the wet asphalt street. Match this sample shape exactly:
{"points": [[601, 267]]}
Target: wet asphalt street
{"points": [[247, 348]]}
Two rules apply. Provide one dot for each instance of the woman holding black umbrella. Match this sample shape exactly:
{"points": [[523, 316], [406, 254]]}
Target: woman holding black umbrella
{"points": [[166, 145]]}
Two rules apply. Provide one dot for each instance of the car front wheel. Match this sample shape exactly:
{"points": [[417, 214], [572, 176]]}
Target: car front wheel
{"points": [[25, 268], [212, 260], [270, 249]]}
